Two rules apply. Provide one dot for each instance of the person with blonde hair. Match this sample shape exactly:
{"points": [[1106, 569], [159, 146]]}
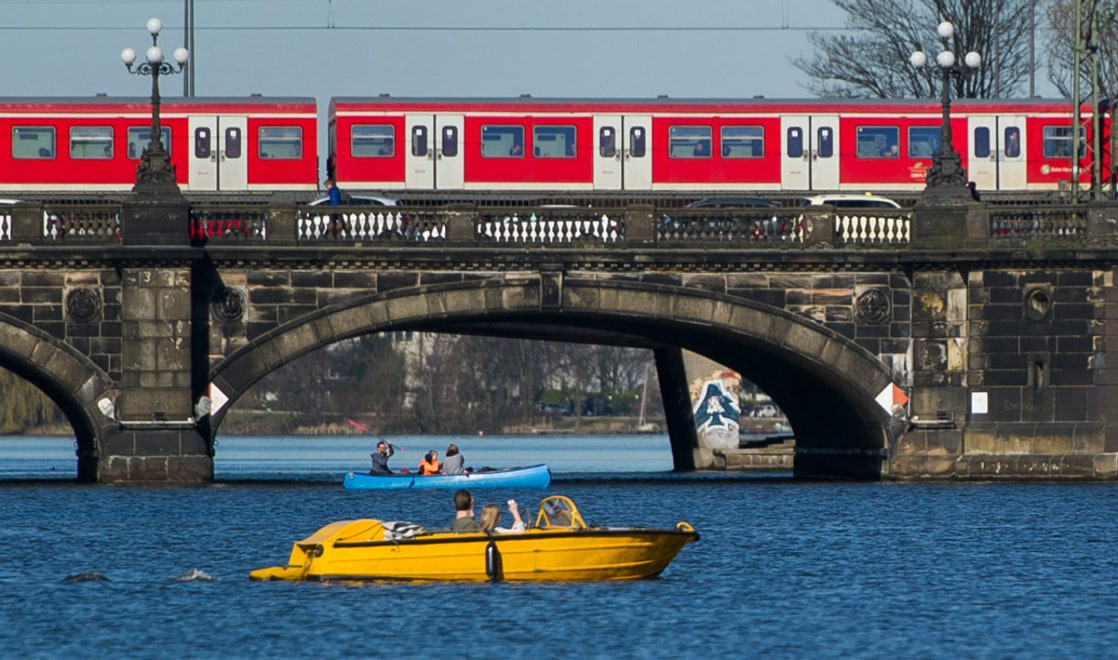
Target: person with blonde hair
{"points": [[491, 517]]}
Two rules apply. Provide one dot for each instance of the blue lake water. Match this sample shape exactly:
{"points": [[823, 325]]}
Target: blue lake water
{"points": [[783, 568]]}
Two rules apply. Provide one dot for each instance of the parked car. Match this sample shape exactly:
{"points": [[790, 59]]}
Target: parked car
{"points": [[765, 410], [733, 203], [848, 201]]}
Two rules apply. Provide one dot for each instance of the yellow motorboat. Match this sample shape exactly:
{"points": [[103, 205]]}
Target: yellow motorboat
{"points": [[559, 547]]}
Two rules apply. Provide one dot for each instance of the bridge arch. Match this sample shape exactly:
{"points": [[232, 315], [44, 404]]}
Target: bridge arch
{"points": [[71, 380], [825, 383]]}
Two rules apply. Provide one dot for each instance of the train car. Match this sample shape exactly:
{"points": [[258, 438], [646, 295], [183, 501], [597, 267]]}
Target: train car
{"points": [[216, 144], [518, 144]]}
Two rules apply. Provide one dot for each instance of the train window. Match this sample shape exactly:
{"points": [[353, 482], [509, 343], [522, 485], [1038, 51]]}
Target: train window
{"points": [[373, 140], [982, 141], [923, 141], [795, 138], [878, 142], [607, 142], [502, 141], [32, 142], [91, 142], [554, 141], [1012, 142], [419, 146], [825, 142], [1057, 142], [637, 146], [280, 142], [689, 141], [450, 141], [140, 136], [232, 142], [203, 142], [743, 141]]}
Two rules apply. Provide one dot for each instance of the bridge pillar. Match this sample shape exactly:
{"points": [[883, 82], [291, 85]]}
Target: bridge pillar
{"points": [[686, 453], [155, 452], [164, 351]]}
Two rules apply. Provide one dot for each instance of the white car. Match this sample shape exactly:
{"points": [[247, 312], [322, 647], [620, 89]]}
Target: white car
{"points": [[359, 200], [354, 220], [846, 201]]}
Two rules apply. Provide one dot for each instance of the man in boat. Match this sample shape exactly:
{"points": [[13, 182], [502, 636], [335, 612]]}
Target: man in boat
{"points": [[464, 512], [380, 458]]}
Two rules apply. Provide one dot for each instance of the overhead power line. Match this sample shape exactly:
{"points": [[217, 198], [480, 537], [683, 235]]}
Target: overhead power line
{"points": [[448, 28]]}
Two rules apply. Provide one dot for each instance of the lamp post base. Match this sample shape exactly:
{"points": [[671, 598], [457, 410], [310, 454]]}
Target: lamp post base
{"points": [[946, 177]]}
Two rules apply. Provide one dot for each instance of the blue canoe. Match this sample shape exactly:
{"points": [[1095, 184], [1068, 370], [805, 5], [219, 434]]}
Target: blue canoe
{"points": [[534, 476]]}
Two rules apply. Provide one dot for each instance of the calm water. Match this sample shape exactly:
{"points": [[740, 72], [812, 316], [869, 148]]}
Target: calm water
{"points": [[783, 569]]}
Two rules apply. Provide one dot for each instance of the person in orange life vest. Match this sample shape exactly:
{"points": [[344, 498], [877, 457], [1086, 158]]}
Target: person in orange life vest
{"points": [[429, 464]]}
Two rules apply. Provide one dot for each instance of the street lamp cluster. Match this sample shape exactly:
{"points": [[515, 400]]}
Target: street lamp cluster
{"points": [[155, 168], [946, 176]]}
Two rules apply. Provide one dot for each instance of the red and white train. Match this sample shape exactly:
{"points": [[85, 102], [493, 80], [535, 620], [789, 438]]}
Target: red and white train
{"points": [[216, 144], [401, 145]]}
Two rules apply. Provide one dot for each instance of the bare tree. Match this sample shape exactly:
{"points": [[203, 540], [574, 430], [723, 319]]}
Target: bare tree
{"points": [[871, 59], [1100, 34]]}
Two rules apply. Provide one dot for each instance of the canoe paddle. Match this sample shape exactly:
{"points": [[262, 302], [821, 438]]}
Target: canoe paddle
{"points": [[361, 427]]}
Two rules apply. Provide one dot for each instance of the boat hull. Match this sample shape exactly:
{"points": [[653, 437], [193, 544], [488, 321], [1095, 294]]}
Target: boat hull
{"points": [[535, 476], [344, 551]]}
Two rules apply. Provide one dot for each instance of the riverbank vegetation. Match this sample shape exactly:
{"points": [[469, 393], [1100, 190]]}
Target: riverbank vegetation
{"points": [[422, 383]]}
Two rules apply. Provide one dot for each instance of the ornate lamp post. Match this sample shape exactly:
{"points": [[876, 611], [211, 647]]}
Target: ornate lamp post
{"points": [[155, 172], [946, 175]]}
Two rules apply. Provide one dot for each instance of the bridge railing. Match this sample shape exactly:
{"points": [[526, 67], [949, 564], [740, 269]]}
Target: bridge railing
{"points": [[745, 226], [872, 227], [237, 222], [1023, 224], [365, 223], [648, 226], [44, 223], [548, 224]]}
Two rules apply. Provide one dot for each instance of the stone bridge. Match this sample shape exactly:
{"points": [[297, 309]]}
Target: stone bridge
{"points": [[955, 340]]}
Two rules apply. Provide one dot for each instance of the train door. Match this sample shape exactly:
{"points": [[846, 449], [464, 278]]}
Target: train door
{"points": [[997, 152], [434, 152], [419, 173], [218, 157], [450, 173], [809, 152], [636, 152], [607, 152]]}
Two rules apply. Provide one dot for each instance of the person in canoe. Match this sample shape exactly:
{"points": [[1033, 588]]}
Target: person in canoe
{"points": [[453, 462], [430, 464], [380, 458]]}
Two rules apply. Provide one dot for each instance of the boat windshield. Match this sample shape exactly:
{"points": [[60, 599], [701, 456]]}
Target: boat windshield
{"points": [[559, 511]]}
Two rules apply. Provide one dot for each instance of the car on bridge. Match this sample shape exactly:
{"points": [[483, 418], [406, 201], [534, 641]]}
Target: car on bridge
{"points": [[359, 200], [850, 201], [359, 219], [734, 203]]}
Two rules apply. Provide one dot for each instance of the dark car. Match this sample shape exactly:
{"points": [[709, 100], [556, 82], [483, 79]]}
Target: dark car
{"points": [[734, 203], [725, 217]]}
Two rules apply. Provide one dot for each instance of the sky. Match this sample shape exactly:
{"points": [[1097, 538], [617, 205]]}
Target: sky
{"points": [[494, 48]]}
